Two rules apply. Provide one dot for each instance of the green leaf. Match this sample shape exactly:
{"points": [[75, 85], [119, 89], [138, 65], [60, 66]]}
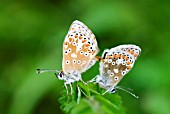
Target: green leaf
{"points": [[82, 108], [100, 105], [69, 106], [91, 101]]}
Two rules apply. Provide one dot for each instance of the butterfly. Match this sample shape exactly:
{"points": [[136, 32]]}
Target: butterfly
{"points": [[115, 64], [79, 54]]}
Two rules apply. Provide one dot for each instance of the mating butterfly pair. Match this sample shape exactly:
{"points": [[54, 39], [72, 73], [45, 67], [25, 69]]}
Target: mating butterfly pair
{"points": [[79, 54]]}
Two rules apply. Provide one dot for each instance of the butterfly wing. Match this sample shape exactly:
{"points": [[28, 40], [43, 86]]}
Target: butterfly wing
{"points": [[79, 48], [131, 49], [117, 62]]}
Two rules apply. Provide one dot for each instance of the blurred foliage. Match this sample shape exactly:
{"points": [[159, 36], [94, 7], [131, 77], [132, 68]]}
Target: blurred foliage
{"points": [[32, 34]]}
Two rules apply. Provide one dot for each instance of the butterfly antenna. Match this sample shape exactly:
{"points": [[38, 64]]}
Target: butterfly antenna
{"points": [[39, 71], [123, 89], [127, 88]]}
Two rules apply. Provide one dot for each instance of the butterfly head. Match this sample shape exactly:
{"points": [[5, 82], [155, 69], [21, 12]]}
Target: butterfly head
{"points": [[60, 75], [112, 90]]}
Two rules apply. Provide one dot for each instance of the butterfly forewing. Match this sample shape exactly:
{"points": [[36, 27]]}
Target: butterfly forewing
{"points": [[117, 62], [79, 48]]}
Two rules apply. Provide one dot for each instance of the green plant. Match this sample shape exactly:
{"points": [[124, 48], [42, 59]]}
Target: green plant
{"points": [[90, 101]]}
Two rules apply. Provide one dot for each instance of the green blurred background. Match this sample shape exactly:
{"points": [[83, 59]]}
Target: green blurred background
{"points": [[32, 34]]}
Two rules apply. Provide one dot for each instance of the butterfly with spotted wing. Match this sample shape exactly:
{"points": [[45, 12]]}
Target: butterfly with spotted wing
{"points": [[114, 65], [79, 54]]}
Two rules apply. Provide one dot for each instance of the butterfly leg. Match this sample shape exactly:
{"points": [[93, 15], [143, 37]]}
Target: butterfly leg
{"points": [[83, 81], [79, 95], [71, 88], [93, 79], [65, 85], [106, 91]]}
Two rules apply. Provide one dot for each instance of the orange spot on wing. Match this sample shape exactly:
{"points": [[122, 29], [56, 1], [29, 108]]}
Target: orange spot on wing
{"points": [[126, 58], [70, 39], [118, 55], [93, 52], [128, 50], [132, 52], [84, 41], [66, 43], [86, 45], [128, 67], [115, 56], [110, 57], [76, 36], [128, 63], [123, 56], [80, 37], [72, 28], [135, 55]]}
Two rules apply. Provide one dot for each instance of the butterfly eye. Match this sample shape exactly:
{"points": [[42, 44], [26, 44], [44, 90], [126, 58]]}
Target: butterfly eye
{"points": [[60, 75], [113, 90]]}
